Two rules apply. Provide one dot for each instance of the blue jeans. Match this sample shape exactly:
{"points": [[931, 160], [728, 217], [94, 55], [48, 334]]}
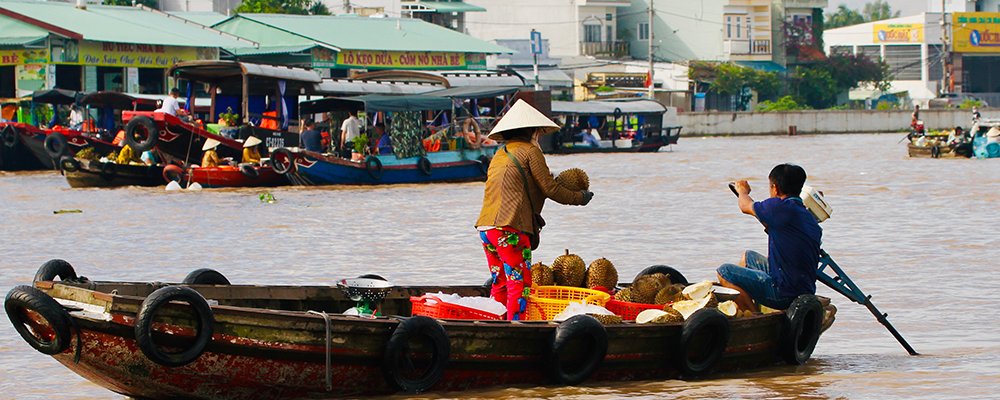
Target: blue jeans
{"points": [[755, 280]]}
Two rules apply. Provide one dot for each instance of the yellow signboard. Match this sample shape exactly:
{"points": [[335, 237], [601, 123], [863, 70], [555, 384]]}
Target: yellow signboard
{"points": [[976, 32], [108, 54], [898, 33], [389, 59], [24, 56]]}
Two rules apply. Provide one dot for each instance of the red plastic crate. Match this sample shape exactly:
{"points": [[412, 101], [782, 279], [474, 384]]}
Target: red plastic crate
{"points": [[444, 310], [628, 310]]}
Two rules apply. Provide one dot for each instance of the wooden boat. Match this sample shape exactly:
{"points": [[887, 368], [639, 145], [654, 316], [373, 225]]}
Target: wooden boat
{"points": [[15, 155], [236, 176], [81, 173], [936, 151], [621, 129], [312, 168], [140, 339]]}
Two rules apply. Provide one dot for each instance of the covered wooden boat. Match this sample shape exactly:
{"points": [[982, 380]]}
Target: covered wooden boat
{"points": [[236, 176], [81, 173], [248, 342], [626, 126]]}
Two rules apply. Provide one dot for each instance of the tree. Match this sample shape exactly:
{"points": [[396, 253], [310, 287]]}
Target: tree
{"points": [[148, 3], [878, 11], [844, 17], [318, 8], [301, 7], [819, 84]]}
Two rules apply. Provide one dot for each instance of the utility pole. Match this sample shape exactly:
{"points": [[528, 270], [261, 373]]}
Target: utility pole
{"points": [[946, 75], [651, 49]]}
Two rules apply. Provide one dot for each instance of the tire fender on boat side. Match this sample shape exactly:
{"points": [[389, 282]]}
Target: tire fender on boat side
{"points": [[675, 275], [173, 173], [484, 164], [205, 276], [249, 171], [803, 322], [704, 338], [397, 354], [9, 135], [373, 166], [424, 165], [69, 164], [578, 328], [147, 313], [23, 298], [53, 268], [107, 170], [55, 145], [144, 123], [280, 166]]}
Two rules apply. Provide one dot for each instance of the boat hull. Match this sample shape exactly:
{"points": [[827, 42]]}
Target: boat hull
{"points": [[98, 174], [445, 166], [15, 155], [228, 176], [915, 151]]}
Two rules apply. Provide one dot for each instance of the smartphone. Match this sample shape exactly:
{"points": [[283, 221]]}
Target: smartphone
{"points": [[732, 186]]}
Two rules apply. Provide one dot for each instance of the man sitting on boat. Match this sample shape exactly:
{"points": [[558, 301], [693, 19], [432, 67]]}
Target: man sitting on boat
{"points": [[171, 105], [250, 153], [384, 140], [312, 139], [793, 237]]}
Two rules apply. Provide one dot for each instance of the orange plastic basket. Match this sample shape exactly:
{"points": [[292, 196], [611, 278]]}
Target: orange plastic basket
{"points": [[545, 302], [443, 310], [628, 310]]}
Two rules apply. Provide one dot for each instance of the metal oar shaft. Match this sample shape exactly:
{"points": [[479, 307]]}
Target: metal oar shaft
{"points": [[883, 319]]}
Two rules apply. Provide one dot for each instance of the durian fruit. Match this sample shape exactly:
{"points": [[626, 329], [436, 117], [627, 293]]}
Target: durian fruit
{"points": [[654, 316], [541, 275], [625, 295], [729, 308], [645, 287], [670, 315], [602, 274], [698, 290], [574, 179], [668, 294], [569, 270], [607, 319], [688, 307]]}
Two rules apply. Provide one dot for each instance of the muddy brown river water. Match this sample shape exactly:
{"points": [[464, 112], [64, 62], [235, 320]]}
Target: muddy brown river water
{"points": [[920, 235]]}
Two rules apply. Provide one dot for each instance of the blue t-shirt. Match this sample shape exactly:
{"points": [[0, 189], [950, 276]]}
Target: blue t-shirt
{"points": [[312, 140], [793, 244]]}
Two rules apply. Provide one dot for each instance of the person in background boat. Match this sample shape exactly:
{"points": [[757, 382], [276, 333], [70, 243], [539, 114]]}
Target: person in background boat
{"points": [[975, 115], [251, 155], [312, 140], [350, 129], [171, 105], [211, 158], [959, 142], [384, 140], [793, 245], [993, 135], [127, 156], [915, 116], [75, 117], [518, 183]]}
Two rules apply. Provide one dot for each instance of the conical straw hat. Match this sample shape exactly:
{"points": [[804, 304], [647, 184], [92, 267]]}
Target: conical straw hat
{"points": [[522, 115], [210, 144], [251, 141]]}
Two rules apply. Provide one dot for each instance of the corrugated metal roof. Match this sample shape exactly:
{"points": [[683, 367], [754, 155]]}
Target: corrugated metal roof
{"points": [[607, 107], [358, 33], [123, 24], [546, 77], [267, 50], [448, 6], [17, 33], [353, 87], [207, 18], [475, 92]]}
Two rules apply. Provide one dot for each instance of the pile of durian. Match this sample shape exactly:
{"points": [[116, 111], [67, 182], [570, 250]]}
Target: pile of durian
{"points": [[570, 270], [689, 300]]}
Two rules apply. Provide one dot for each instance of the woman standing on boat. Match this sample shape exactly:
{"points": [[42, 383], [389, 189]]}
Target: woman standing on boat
{"points": [[517, 184]]}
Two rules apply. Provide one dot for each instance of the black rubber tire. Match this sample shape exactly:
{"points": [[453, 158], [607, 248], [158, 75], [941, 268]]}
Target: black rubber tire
{"points": [[249, 171], [9, 136], [107, 170], [708, 330], [484, 164], [152, 134], [675, 275], [173, 173], [144, 325], [24, 297], [205, 276], [280, 167], [373, 166], [804, 319], [398, 346], [55, 268], [69, 164], [577, 327], [373, 276], [56, 145], [424, 165]]}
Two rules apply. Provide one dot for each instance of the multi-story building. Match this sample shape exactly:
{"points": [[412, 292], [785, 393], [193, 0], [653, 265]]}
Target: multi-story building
{"points": [[964, 5]]}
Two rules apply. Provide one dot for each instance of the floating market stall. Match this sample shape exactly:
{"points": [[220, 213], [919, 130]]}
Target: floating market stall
{"points": [[620, 126]]}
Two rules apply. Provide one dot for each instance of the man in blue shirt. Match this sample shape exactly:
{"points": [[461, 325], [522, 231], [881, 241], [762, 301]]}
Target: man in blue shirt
{"points": [[793, 244], [312, 140]]}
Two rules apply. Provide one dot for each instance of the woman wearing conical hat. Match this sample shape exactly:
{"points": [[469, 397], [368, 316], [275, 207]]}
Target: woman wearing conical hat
{"points": [[211, 158], [517, 184], [250, 153]]}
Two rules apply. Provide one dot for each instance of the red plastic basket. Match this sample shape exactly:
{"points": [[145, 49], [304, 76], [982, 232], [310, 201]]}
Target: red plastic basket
{"points": [[443, 310], [628, 310]]}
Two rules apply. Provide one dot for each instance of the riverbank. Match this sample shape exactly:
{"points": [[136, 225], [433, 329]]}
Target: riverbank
{"points": [[816, 121]]}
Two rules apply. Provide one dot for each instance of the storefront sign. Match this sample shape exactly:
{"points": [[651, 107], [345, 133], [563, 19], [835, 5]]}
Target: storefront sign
{"points": [[324, 58], [976, 32], [107, 54], [898, 33], [24, 56], [30, 77]]}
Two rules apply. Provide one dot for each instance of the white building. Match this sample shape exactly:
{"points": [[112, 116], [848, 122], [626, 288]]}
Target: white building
{"points": [[964, 5]]}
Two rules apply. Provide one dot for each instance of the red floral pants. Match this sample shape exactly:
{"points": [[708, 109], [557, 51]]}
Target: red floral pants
{"points": [[508, 253]]}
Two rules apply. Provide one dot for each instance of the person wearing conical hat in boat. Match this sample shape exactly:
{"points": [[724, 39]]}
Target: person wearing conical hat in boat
{"points": [[517, 183], [250, 153], [211, 158]]}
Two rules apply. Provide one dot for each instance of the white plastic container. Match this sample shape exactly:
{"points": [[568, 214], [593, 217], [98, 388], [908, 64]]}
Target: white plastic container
{"points": [[813, 200]]}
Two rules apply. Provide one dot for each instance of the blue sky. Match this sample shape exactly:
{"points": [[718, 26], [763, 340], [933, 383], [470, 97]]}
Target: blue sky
{"points": [[908, 7]]}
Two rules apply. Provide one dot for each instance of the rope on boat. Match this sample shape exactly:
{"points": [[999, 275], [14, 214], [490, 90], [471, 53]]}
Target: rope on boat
{"points": [[326, 320]]}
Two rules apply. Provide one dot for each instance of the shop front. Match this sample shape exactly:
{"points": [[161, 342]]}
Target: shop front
{"points": [[379, 60], [976, 44], [22, 71]]}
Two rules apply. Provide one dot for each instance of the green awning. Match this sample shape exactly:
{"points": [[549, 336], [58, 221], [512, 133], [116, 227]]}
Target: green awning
{"points": [[766, 66], [375, 103], [449, 6]]}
